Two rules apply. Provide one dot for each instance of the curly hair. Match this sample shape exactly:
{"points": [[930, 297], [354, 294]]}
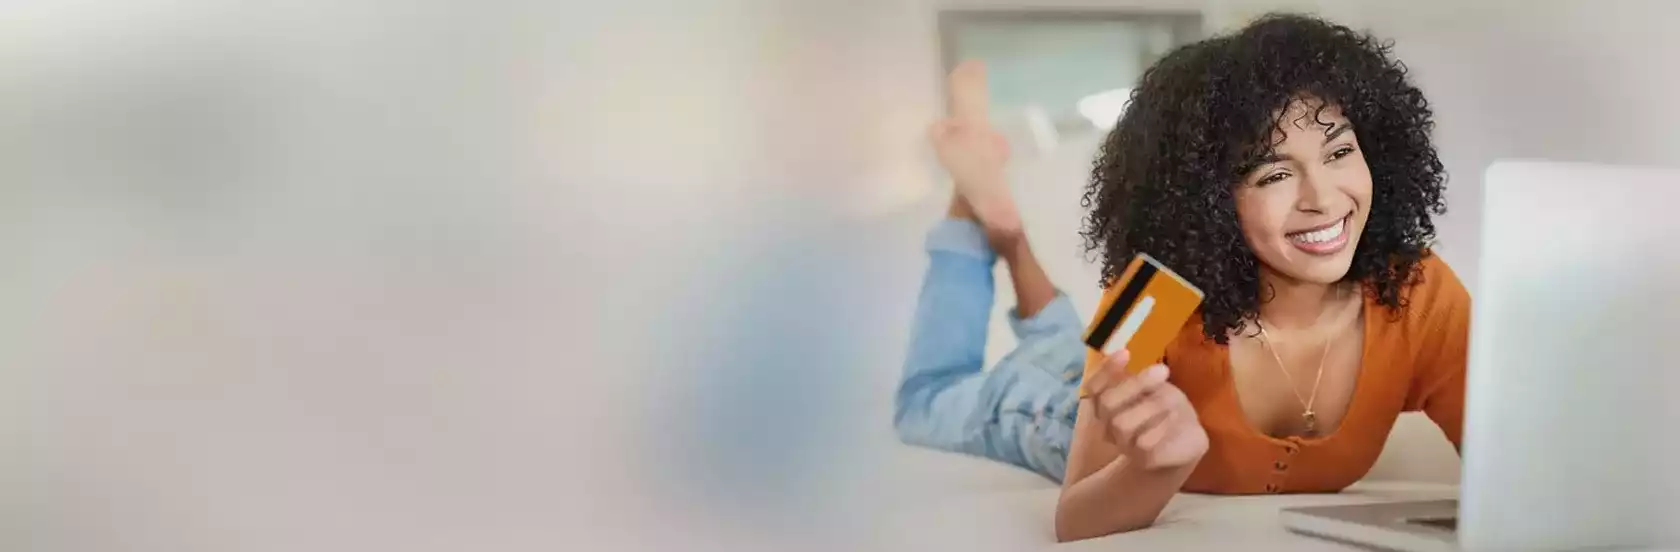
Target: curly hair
{"points": [[1203, 116]]}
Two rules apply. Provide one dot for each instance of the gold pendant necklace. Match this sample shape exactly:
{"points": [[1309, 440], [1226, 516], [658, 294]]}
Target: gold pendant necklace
{"points": [[1309, 418]]}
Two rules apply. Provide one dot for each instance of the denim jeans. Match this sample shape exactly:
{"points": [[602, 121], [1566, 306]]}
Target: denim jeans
{"points": [[1021, 411]]}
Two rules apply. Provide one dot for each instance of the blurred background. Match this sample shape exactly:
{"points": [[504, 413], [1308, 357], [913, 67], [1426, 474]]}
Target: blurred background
{"points": [[514, 275]]}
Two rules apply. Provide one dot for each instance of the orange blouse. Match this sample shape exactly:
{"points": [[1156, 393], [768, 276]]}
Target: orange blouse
{"points": [[1414, 361]]}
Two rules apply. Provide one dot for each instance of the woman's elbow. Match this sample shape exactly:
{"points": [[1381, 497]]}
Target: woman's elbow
{"points": [[1072, 526], [1066, 532]]}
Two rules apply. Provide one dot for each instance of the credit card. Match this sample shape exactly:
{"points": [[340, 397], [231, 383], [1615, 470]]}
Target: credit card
{"points": [[1142, 312]]}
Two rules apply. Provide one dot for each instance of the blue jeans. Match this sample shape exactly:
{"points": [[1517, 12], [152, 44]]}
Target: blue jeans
{"points": [[1021, 411]]}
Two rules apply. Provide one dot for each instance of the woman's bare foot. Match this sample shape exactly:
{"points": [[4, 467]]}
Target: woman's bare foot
{"points": [[974, 153], [1001, 239]]}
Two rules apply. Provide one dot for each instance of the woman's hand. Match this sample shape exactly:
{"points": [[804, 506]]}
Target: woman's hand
{"points": [[1136, 441], [1149, 418]]}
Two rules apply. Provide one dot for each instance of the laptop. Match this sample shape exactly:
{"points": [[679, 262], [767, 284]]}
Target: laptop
{"points": [[1572, 414]]}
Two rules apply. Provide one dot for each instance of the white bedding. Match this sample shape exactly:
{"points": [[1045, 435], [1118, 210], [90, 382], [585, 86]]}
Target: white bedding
{"points": [[960, 503]]}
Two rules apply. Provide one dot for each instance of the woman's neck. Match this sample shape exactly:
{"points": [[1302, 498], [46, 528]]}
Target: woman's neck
{"points": [[1291, 304]]}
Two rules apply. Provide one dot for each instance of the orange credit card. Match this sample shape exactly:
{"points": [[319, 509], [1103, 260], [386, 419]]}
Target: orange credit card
{"points": [[1142, 312]]}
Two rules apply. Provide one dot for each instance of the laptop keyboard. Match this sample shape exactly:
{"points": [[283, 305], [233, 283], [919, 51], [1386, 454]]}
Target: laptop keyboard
{"points": [[1447, 523]]}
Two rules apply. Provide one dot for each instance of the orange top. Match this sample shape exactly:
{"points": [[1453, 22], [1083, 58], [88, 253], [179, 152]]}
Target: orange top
{"points": [[1411, 362]]}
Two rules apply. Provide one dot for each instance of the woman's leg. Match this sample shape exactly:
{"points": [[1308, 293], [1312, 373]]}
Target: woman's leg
{"points": [[1020, 412]]}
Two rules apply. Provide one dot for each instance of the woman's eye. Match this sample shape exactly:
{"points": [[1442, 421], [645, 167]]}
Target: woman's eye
{"points": [[1272, 178], [1341, 152]]}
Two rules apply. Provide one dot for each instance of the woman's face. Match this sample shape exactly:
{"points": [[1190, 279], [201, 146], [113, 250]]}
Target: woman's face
{"points": [[1303, 209]]}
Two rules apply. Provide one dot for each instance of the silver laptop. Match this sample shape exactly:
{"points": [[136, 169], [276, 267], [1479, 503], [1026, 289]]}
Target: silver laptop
{"points": [[1572, 421]]}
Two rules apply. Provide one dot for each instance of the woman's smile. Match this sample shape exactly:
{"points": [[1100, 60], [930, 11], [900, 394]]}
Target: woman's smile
{"points": [[1327, 239]]}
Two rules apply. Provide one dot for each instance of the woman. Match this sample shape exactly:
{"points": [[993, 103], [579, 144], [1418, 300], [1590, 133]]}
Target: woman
{"points": [[1287, 171]]}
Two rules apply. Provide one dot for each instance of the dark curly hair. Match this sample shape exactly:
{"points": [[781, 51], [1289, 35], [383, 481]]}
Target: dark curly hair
{"points": [[1205, 114]]}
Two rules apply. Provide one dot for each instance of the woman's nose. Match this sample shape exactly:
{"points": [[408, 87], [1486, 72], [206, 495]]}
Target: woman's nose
{"points": [[1316, 193]]}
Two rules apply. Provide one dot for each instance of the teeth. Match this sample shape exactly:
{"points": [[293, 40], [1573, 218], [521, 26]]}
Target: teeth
{"points": [[1320, 236]]}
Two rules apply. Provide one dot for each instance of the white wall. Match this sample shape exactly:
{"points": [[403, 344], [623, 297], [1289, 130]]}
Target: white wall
{"points": [[1563, 80]]}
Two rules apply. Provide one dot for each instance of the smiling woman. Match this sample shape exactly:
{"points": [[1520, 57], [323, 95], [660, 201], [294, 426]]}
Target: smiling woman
{"points": [[1287, 171], [1309, 197]]}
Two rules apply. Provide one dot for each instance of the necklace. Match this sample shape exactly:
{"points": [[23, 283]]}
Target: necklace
{"points": [[1308, 416]]}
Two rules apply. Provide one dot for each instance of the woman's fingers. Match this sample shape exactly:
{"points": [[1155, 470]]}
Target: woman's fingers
{"points": [[1116, 400], [1131, 406], [1134, 405], [1155, 435], [1143, 415], [1176, 439], [1112, 371], [1129, 387]]}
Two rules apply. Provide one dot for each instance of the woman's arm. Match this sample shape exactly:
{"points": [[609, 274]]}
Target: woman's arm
{"points": [[1103, 493], [1440, 315], [1136, 439]]}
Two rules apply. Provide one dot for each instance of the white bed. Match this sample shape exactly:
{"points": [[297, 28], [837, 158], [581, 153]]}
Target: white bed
{"points": [[954, 502]]}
